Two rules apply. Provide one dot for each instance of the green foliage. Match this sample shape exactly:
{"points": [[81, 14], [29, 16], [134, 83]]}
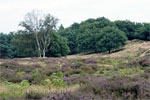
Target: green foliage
{"points": [[25, 44], [71, 34], [6, 48], [25, 83], [125, 71], [89, 36], [129, 28], [57, 79], [58, 47], [37, 77], [143, 32], [14, 90], [110, 38], [89, 29]]}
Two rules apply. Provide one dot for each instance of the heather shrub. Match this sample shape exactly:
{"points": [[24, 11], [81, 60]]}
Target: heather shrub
{"points": [[79, 79], [76, 65], [73, 72], [27, 77], [13, 72], [90, 68], [66, 68], [147, 70], [142, 77], [91, 61], [8, 75], [50, 70], [119, 87], [12, 65], [143, 62], [71, 96], [33, 96], [75, 79]]}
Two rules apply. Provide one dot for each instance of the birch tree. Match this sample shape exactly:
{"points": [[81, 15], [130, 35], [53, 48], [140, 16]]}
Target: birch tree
{"points": [[42, 26], [48, 26]]}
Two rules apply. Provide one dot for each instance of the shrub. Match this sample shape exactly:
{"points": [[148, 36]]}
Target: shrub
{"points": [[37, 77], [119, 87], [33, 96], [57, 79], [71, 96]]}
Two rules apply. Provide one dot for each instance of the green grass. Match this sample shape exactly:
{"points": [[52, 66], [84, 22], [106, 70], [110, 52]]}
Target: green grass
{"points": [[126, 71]]}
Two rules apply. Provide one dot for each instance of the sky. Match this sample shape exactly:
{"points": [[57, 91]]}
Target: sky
{"points": [[12, 12]]}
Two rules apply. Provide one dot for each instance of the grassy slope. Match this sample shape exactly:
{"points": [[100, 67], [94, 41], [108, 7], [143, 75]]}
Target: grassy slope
{"points": [[133, 48]]}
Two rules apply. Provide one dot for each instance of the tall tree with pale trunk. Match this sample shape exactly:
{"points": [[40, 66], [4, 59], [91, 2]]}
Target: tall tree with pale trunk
{"points": [[42, 26]]}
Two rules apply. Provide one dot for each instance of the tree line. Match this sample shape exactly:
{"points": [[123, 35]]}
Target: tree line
{"points": [[40, 36], [102, 35]]}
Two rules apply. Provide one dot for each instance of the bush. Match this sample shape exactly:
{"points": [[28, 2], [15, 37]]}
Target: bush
{"points": [[71, 96], [57, 79], [119, 87], [90, 68], [33, 96]]}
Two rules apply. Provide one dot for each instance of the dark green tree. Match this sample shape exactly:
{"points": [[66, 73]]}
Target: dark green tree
{"points": [[58, 47], [143, 32], [25, 44], [110, 38], [128, 27], [88, 30], [6, 48], [71, 34]]}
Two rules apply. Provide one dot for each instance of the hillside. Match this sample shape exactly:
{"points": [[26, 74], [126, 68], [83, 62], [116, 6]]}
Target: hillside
{"points": [[132, 49], [122, 75]]}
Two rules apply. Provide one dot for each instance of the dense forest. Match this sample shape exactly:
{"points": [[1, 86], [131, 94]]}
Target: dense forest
{"points": [[90, 36]]}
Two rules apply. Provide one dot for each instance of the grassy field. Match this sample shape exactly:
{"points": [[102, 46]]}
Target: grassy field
{"points": [[122, 75]]}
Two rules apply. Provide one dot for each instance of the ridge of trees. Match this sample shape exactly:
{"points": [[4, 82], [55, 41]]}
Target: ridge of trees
{"points": [[42, 38], [83, 37]]}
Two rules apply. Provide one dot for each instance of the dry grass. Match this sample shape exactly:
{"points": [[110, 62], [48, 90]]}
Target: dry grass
{"points": [[47, 90], [42, 64], [132, 49], [40, 89], [2, 88], [0, 63]]}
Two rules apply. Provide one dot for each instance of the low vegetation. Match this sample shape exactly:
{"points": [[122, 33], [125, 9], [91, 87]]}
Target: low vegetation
{"points": [[75, 79]]}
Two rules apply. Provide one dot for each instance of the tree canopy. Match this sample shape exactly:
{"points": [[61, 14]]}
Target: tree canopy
{"points": [[110, 38], [41, 37]]}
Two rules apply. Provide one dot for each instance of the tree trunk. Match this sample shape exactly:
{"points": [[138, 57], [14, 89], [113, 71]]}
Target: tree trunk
{"points": [[109, 51], [38, 44], [44, 51]]}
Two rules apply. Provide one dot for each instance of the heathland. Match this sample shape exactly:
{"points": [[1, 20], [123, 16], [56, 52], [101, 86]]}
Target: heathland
{"points": [[120, 75]]}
